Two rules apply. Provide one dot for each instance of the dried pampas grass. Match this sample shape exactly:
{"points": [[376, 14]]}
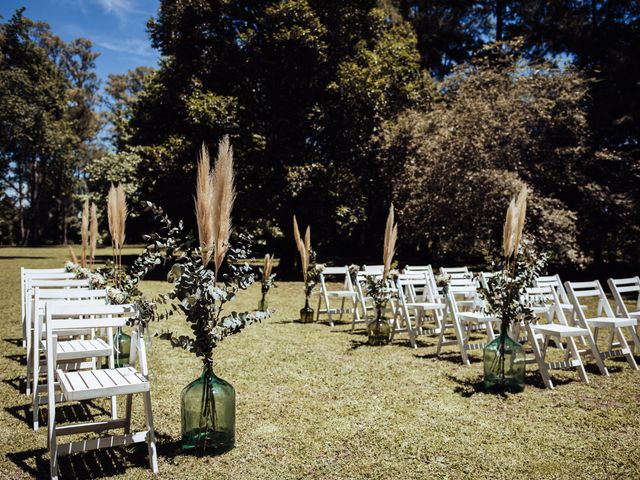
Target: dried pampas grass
{"points": [[514, 224], [72, 255], [223, 197], [267, 267], [390, 238], [215, 194], [93, 233], [112, 218], [117, 218], [204, 205], [304, 247], [84, 231]]}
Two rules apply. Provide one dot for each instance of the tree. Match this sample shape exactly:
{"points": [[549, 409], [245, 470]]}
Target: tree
{"points": [[299, 85], [47, 125], [121, 92], [500, 122]]}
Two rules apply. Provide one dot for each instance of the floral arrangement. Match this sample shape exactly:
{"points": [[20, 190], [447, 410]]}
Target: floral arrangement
{"points": [[267, 280], [200, 291], [311, 270], [505, 296], [377, 287]]}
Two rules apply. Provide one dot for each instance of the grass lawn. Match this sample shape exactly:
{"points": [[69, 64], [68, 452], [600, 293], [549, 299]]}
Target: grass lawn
{"points": [[314, 401]]}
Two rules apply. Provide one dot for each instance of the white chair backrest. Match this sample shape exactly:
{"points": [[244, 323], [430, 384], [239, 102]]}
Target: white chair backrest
{"points": [[44, 296], [555, 282], [484, 279], [336, 272], [373, 268], [466, 291], [39, 273], [621, 286], [455, 272], [578, 290], [412, 287]]}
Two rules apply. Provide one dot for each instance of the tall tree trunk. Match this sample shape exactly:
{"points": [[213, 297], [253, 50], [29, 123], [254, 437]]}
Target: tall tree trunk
{"points": [[499, 20]]}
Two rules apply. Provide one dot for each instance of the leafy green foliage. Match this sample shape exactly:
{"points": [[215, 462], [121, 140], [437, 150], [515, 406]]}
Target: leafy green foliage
{"points": [[506, 296], [500, 121], [48, 126], [202, 299]]}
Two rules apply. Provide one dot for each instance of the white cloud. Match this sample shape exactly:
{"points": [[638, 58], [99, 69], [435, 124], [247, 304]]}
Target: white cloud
{"points": [[133, 46]]}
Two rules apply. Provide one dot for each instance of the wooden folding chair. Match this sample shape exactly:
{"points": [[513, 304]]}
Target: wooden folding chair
{"points": [[348, 292], [616, 326], [624, 286], [36, 274], [545, 302], [72, 351], [30, 286], [416, 304], [92, 384], [464, 323]]}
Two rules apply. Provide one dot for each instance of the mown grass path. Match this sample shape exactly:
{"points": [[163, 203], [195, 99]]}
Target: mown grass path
{"points": [[314, 402]]}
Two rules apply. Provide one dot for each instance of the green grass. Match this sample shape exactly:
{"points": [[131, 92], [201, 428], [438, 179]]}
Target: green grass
{"points": [[314, 402]]}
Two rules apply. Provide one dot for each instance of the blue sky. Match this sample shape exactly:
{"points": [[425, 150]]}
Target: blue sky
{"points": [[117, 28]]}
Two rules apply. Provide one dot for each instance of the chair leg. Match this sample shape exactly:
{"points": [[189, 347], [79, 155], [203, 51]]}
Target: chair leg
{"points": [[127, 414], [636, 340], [461, 343], [625, 346], [318, 309], [342, 308], [573, 348], [151, 436], [53, 445], [540, 356], [597, 356], [356, 314]]}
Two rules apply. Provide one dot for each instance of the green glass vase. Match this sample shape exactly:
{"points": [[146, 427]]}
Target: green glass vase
{"points": [[504, 364], [378, 331], [262, 304], [208, 410], [306, 313], [122, 344]]}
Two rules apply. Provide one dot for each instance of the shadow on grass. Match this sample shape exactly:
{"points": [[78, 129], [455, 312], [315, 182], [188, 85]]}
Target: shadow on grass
{"points": [[94, 464], [19, 358], [16, 342], [171, 449], [16, 382], [72, 413], [451, 357], [470, 386]]}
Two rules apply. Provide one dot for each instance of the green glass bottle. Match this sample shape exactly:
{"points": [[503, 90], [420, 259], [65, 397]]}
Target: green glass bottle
{"points": [[306, 313], [378, 330], [122, 344], [208, 410], [263, 305], [504, 364]]}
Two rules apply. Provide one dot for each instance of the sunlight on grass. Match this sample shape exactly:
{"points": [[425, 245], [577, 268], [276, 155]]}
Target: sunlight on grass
{"points": [[313, 401]]}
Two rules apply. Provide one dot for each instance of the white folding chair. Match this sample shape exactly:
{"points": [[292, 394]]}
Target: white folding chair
{"points": [[30, 286], [555, 282], [466, 295], [348, 292], [464, 323], [72, 351], [624, 286], [92, 384], [36, 274], [545, 302], [416, 304], [579, 290]]}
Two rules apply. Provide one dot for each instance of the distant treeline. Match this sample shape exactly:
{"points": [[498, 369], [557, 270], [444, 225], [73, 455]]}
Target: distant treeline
{"points": [[334, 110]]}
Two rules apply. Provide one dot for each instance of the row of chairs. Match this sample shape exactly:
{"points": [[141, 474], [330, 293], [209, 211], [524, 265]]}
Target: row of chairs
{"points": [[68, 332], [457, 315]]}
